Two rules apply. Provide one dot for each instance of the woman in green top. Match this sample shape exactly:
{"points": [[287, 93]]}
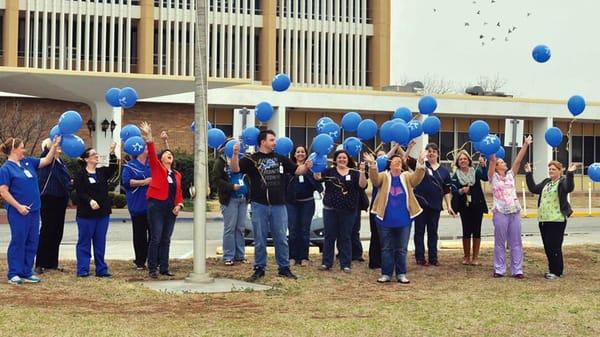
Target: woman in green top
{"points": [[553, 211]]}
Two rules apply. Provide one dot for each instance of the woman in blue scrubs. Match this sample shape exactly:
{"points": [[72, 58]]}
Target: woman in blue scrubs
{"points": [[20, 191], [93, 210]]}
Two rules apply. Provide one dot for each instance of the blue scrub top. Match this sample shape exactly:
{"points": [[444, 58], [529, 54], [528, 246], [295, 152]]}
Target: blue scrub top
{"points": [[22, 181]]}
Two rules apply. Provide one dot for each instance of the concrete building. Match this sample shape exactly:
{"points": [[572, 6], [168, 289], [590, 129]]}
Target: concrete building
{"points": [[66, 54]]}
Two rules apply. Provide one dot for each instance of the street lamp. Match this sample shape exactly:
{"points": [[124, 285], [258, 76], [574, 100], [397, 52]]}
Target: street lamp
{"points": [[91, 126], [113, 125], [105, 124]]}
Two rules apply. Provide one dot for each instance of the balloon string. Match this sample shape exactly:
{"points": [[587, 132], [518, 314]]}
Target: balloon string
{"points": [[569, 135]]}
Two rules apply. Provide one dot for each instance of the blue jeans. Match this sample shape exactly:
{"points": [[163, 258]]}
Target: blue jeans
{"points": [[234, 219], [24, 236], [394, 247], [299, 219], [161, 222], [271, 219], [429, 220], [338, 226], [91, 230]]}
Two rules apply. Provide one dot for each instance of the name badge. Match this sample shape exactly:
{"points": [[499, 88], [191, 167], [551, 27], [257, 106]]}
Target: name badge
{"points": [[301, 179], [92, 180], [169, 179], [280, 169], [430, 171], [348, 178], [28, 174], [241, 182]]}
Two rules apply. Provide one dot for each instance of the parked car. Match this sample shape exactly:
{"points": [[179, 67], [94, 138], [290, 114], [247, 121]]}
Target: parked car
{"points": [[317, 229]]}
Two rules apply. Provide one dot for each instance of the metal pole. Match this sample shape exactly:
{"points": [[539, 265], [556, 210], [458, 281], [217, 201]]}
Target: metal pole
{"points": [[513, 142], [199, 273]]}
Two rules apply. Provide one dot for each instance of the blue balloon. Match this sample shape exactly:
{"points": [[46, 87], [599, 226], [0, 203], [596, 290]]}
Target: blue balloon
{"points": [[476, 146], [353, 146], [415, 128], [72, 145], [541, 53], [229, 147], [400, 133], [216, 138], [427, 105], [55, 131], [403, 113], [594, 172], [367, 129], [576, 105], [350, 121], [500, 153], [332, 129], [489, 145], [322, 144], [553, 136], [478, 130], [319, 162], [382, 162], [70, 122], [250, 135], [264, 111], [128, 97], [385, 132], [321, 123], [112, 97], [431, 125], [128, 131], [281, 82], [134, 145], [284, 146]]}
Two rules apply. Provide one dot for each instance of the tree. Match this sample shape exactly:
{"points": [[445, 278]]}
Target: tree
{"points": [[31, 127], [492, 84]]}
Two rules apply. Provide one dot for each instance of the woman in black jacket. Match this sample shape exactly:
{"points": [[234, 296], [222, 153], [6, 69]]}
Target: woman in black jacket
{"points": [[553, 211], [469, 201], [93, 209]]}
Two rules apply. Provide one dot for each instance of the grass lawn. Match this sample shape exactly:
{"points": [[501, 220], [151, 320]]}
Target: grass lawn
{"points": [[449, 300]]}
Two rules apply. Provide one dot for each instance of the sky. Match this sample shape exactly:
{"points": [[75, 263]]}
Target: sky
{"points": [[430, 40]]}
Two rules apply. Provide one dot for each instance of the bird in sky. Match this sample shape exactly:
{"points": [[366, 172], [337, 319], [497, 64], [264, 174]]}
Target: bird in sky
{"points": [[481, 36], [467, 24], [498, 24], [528, 14]]}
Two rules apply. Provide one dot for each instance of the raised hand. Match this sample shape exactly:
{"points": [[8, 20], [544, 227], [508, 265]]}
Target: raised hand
{"points": [[528, 140], [146, 131], [422, 157], [572, 167], [527, 167], [368, 158]]}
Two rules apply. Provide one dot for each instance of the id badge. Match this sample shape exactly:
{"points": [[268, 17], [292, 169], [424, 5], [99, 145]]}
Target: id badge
{"points": [[92, 180], [348, 177], [468, 199], [280, 169], [301, 179], [27, 173], [169, 179], [430, 171], [241, 182]]}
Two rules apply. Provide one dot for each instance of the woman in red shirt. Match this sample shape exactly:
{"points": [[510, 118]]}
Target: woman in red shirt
{"points": [[165, 200]]}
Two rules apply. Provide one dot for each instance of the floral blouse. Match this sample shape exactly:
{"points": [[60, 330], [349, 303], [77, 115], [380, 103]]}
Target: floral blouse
{"points": [[505, 193]]}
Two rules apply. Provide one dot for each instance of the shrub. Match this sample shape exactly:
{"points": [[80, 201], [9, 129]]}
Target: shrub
{"points": [[119, 201]]}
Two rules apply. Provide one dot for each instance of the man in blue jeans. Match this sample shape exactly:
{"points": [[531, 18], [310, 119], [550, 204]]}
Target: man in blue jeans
{"points": [[266, 171]]}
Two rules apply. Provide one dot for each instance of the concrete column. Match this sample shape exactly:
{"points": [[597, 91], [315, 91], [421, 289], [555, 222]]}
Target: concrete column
{"points": [[542, 153], [10, 36], [277, 122], [380, 51], [268, 39], [100, 141], [146, 38]]}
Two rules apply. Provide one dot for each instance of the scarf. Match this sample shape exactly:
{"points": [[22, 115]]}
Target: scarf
{"points": [[466, 179]]}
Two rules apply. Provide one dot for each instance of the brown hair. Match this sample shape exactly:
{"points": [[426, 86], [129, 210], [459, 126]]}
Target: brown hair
{"points": [[10, 144], [460, 153], [556, 164]]}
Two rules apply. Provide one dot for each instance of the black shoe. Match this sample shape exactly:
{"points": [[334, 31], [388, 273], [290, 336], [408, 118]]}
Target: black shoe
{"points": [[107, 275], [359, 259], [153, 274], [258, 273], [422, 263], [167, 273], [287, 273], [434, 263]]}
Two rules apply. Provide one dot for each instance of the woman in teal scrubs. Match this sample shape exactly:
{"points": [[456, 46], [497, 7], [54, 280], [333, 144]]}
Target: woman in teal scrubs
{"points": [[20, 191]]}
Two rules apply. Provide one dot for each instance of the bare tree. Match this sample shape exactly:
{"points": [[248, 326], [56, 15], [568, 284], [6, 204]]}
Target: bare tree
{"points": [[438, 85], [30, 127], [491, 83]]}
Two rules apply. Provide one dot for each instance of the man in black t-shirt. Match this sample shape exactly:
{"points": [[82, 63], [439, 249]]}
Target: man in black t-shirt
{"points": [[266, 171]]}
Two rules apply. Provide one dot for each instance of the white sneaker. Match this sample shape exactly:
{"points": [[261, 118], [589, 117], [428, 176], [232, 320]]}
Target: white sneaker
{"points": [[32, 279], [550, 276], [402, 279], [15, 280], [384, 279], [347, 270]]}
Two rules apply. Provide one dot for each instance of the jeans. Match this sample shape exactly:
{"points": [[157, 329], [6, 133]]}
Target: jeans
{"points": [[24, 235], [300, 216], [91, 230], [51, 234], [429, 220], [271, 218], [141, 231], [338, 225], [394, 247], [357, 248], [552, 236], [234, 220], [162, 222]]}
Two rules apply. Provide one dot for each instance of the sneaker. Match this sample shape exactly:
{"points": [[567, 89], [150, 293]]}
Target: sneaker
{"points": [[107, 275], [153, 274], [39, 270], [292, 262], [550, 276], [287, 273], [228, 263], [422, 263], [402, 279], [167, 273], [83, 275], [384, 279], [347, 270], [32, 279], [497, 275], [15, 280], [324, 267], [140, 267], [434, 263], [519, 276], [258, 273]]}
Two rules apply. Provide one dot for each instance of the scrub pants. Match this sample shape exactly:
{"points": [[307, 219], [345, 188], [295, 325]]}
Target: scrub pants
{"points": [[91, 230], [25, 233]]}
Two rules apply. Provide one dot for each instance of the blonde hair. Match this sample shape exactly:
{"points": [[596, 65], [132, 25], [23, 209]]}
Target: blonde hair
{"points": [[556, 164], [46, 144], [460, 153]]}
